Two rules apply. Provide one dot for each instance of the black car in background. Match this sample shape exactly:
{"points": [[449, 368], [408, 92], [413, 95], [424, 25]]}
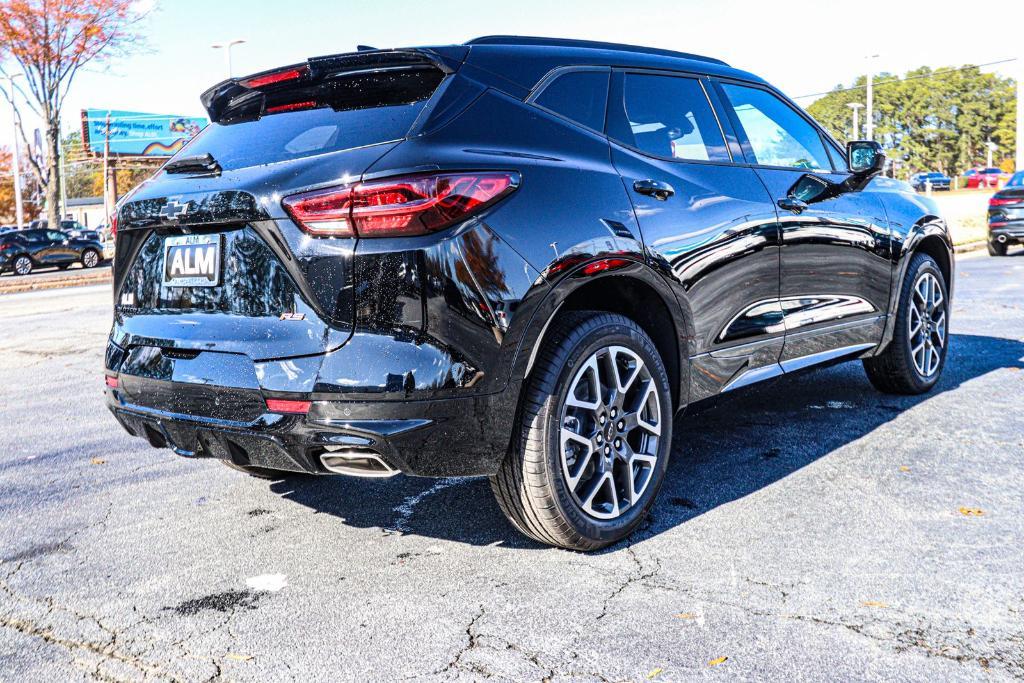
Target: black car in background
{"points": [[938, 181], [24, 250], [519, 258], [1006, 216]]}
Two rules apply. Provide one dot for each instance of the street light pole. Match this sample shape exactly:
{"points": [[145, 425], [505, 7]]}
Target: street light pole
{"points": [[869, 122], [856, 107], [19, 207], [227, 51]]}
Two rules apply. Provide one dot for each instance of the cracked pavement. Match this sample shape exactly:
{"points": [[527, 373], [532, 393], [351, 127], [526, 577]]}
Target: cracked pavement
{"points": [[811, 529]]}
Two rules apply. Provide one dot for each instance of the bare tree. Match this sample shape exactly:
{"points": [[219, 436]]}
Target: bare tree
{"points": [[51, 40]]}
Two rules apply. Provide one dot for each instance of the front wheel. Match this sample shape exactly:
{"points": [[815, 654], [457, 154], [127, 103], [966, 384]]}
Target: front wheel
{"points": [[913, 361], [90, 258], [996, 248], [593, 437]]}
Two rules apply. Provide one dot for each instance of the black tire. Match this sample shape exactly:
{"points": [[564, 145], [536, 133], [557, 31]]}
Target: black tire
{"points": [[894, 371], [531, 485], [257, 472], [91, 258], [22, 265], [996, 248], [64, 266]]}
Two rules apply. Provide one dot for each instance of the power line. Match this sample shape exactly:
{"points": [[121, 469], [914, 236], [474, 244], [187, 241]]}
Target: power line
{"points": [[933, 74]]}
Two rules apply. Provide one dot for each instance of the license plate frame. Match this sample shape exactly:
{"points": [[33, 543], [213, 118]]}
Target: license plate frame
{"points": [[190, 256]]}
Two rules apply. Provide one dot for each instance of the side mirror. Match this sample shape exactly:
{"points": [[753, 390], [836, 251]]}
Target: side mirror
{"points": [[866, 157]]}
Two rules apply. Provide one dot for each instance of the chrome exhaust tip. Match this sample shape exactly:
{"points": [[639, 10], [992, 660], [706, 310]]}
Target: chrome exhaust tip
{"points": [[1001, 239], [356, 463]]}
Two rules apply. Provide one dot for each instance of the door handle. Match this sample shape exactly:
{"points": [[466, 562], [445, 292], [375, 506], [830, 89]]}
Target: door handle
{"points": [[792, 204], [654, 188]]}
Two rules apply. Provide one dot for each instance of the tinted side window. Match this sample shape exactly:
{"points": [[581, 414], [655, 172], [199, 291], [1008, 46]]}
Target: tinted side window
{"points": [[669, 116], [579, 96], [55, 236], [778, 135]]}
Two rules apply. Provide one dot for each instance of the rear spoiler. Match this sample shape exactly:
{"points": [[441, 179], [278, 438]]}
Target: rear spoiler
{"points": [[242, 98]]}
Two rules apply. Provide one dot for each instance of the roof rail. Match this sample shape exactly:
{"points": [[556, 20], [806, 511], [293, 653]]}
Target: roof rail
{"points": [[587, 44]]}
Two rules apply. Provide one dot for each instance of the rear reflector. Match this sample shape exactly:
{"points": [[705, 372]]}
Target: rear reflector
{"points": [[275, 77], [112, 382], [280, 405], [395, 207]]}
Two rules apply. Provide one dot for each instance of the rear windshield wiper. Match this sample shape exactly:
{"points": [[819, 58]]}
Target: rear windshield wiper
{"points": [[200, 163]]}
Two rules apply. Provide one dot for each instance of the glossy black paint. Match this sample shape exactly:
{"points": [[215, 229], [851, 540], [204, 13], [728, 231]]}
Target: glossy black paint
{"points": [[418, 347], [45, 248]]}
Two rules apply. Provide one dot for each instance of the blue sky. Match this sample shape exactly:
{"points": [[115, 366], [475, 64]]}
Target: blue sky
{"points": [[802, 47]]}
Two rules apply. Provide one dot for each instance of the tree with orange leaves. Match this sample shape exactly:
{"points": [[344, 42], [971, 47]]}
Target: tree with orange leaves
{"points": [[50, 40], [7, 191]]}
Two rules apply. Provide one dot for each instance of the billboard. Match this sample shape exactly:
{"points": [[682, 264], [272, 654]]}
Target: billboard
{"points": [[138, 134]]}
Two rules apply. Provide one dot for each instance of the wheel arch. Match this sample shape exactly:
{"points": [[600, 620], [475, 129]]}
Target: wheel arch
{"points": [[929, 236], [637, 293]]}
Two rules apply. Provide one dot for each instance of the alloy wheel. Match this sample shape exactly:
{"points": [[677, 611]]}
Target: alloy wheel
{"points": [[609, 432], [90, 259], [22, 265], [927, 323]]}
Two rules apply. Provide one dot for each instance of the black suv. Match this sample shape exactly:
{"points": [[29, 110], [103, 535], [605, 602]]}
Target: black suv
{"points": [[21, 251], [519, 258]]}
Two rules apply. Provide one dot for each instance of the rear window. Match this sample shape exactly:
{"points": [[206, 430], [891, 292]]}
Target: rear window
{"points": [[342, 112]]}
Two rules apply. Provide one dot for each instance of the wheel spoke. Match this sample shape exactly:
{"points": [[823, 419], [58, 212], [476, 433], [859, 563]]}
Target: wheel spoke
{"points": [[652, 427], [590, 371]]}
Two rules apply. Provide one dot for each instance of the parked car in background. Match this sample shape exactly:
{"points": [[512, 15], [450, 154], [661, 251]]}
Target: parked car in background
{"points": [[25, 250], [938, 181], [7, 228], [1006, 216], [519, 257], [985, 177]]}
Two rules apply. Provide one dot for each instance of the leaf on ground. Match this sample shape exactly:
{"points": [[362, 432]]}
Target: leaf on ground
{"points": [[238, 658], [716, 661], [654, 673], [98, 461], [904, 468], [971, 512], [873, 603], [686, 615]]}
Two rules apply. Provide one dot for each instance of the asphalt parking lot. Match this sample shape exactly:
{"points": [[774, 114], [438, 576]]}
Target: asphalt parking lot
{"points": [[812, 529]]}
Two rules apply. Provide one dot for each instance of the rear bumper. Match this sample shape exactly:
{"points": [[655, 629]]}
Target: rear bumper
{"points": [[1009, 232], [437, 438]]}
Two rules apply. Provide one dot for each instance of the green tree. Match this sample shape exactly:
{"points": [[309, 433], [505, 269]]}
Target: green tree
{"points": [[935, 119]]}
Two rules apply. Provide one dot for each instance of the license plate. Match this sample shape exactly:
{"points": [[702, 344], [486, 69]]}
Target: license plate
{"points": [[192, 261]]}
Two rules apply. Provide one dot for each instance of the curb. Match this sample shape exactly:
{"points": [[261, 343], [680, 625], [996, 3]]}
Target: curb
{"points": [[969, 247], [76, 280]]}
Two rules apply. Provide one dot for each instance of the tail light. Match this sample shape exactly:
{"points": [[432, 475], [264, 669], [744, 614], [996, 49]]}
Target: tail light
{"points": [[395, 207], [113, 225], [1001, 201]]}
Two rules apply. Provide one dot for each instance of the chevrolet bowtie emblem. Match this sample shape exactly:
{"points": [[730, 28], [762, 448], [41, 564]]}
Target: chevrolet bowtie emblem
{"points": [[174, 210]]}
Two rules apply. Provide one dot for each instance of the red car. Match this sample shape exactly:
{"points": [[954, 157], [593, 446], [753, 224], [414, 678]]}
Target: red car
{"points": [[984, 177]]}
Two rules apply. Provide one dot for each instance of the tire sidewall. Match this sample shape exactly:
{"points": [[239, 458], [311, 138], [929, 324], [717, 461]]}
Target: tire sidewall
{"points": [[85, 255], [923, 265], [611, 334]]}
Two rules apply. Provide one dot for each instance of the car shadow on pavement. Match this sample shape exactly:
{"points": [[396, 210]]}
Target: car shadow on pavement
{"points": [[720, 455]]}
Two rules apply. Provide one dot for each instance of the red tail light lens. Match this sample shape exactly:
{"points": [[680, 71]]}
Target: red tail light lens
{"points": [[282, 76], [112, 382], [399, 206], [293, 106], [999, 201], [113, 225], [280, 405]]}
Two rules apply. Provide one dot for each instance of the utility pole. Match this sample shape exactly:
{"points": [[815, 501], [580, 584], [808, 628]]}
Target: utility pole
{"points": [[227, 51], [109, 175], [19, 207], [869, 122], [856, 107]]}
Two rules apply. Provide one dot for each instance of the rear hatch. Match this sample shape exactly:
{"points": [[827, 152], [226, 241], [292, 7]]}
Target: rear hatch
{"points": [[207, 257]]}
